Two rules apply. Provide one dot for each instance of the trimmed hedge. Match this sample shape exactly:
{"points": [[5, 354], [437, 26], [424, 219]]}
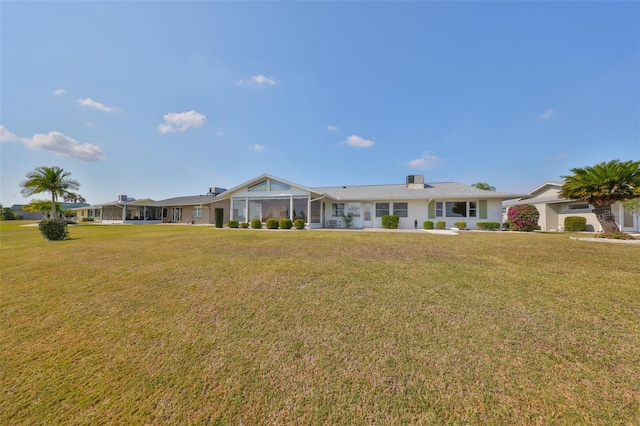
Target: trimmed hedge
{"points": [[272, 223], [54, 229], [285, 224], [460, 225], [441, 224], [87, 219], [233, 224], [489, 226], [256, 224], [427, 224], [218, 215], [244, 225], [390, 221], [298, 223], [575, 223]]}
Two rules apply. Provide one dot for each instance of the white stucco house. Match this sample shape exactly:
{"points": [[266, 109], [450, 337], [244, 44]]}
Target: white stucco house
{"points": [[267, 196], [553, 210]]}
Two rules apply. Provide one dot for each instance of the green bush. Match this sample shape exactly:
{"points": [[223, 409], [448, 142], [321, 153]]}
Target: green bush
{"points": [[441, 224], [244, 225], [256, 224], [575, 223], [233, 224], [285, 224], [218, 215], [460, 225], [298, 223], [390, 221], [54, 229], [489, 226], [523, 217], [87, 219], [272, 223], [427, 224], [7, 214]]}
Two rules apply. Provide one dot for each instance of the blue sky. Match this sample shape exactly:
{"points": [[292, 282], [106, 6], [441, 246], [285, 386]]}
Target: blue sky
{"points": [[164, 99]]}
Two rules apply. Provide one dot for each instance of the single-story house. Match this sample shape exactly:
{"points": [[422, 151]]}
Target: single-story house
{"points": [[415, 201], [18, 210], [553, 210], [266, 196], [125, 210]]}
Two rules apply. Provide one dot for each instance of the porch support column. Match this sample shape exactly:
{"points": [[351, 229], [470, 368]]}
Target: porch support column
{"points": [[291, 208], [309, 210], [124, 212]]}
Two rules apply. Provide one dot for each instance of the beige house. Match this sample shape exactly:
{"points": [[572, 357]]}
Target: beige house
{"points": [[553, 210]]}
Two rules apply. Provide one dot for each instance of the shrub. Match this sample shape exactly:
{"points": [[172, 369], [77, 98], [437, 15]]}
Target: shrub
{"points": [[256, 224], [489, 226], [390, 221], [575, 223], [460, 225], [244, 225], [87, 219], [441, 224], [54, 229], [427, 224], [272, 224], [233, 224], [523, 217], [7, 214], [218, 215], [285, 224], [298, 223]]}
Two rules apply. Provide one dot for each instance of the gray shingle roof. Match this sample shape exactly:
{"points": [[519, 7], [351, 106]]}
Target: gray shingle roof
{"points": [[191, 200], [435, 190]]}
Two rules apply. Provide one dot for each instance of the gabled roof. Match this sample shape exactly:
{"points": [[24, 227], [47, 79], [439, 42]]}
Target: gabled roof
{"points": [[547, 184], [259, 179], [432, 190]]}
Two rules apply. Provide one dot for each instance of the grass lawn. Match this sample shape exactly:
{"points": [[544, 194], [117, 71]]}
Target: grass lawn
{"points": [[192, 325]]}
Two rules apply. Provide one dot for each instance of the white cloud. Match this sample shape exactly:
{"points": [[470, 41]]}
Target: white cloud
{"points": [[257, 147], [181, 121], [358, 142], [258, 80], [333, 128], [426, 162], [64, 146], [90, 103], [60, 92], [7, 136], [548, 114]]}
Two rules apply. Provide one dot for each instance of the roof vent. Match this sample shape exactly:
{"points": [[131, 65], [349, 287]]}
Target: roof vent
{"points": [[415, 181]]}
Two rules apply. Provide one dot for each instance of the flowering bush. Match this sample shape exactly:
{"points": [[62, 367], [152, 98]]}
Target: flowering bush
{"points": [[523, 217]]}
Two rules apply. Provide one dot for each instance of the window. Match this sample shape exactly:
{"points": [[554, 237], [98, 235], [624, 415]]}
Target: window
{"points": [[439, 209], [337, 209], [353, 209], [279, 186], [400, 209], [456, 208], [473, 209], [382, 209], [262, 186], [578, 206], [240, 209], [197, 211]]}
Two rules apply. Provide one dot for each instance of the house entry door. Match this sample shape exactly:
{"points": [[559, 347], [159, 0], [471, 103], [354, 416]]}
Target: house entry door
{"points": [[367, 221], [176, 214]]}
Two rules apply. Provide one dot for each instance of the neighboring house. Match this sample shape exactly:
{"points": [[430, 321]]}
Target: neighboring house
{"points": [[553, 210], [18, 209], [125, 210], [267, 196]]}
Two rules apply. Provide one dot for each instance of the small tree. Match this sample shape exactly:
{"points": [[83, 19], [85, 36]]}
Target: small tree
{"points": [[49, 179], [7, 214], [348, 220], [523, 217], [484, 185], [218, 215]]}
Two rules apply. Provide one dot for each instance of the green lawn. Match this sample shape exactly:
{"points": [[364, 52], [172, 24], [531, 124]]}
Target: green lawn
{"points": [[192, 325]]}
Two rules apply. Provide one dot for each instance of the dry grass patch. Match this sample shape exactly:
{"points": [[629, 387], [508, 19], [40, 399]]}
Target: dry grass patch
{"points": [[179, 324]]}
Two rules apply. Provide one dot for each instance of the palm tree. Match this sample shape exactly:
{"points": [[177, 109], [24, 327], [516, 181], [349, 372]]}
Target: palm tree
{"points": [[602, 185], [484, 185], [49, 179]]}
